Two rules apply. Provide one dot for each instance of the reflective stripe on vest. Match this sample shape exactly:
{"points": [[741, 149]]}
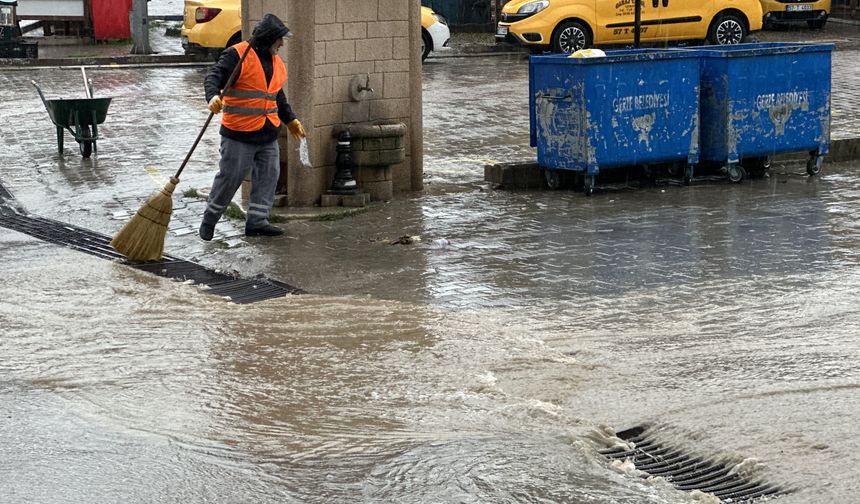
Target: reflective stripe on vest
{"points": [[249, 94], [249, 102], [248, 111]]}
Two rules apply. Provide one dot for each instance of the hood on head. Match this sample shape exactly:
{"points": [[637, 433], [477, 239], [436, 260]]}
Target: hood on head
{"points": [[268, 30]]}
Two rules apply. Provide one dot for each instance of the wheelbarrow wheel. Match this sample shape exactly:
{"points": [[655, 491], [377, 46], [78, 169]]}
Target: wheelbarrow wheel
{"points": [[86, 146]]}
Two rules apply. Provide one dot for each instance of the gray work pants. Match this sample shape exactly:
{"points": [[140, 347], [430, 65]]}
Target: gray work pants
{"points": [[238, 159]]}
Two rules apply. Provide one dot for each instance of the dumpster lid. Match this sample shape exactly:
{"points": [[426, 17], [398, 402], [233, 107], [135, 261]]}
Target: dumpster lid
{"points": [[763, 49], [617, 56]]}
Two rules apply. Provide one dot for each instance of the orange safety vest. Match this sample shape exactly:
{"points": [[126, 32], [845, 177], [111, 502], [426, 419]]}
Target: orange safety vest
{"points": [[249, 102]]}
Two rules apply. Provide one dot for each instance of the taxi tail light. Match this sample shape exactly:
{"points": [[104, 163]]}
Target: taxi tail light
{"points": [[204, 14]]}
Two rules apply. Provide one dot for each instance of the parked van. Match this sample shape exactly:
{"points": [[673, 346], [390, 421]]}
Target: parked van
{"points": [[569, 25], [815, 13]]}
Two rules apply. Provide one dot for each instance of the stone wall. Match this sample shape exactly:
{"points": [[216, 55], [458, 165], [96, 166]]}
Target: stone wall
{"points": [[334, 41]]}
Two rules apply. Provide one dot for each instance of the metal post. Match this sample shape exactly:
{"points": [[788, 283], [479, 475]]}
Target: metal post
{"points": [[139, 22], [637, 22], [343, 182]]}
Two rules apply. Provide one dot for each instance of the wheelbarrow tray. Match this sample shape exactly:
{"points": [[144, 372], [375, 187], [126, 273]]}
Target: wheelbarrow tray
{"points": [[63, 111]]}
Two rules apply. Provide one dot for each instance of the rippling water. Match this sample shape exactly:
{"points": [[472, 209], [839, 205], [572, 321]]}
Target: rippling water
{"points": [[116, 384], [174, 396]]}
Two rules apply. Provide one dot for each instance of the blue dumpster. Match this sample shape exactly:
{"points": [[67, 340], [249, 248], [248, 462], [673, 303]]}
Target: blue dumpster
{"points": [[630, 107], [764, 99]]}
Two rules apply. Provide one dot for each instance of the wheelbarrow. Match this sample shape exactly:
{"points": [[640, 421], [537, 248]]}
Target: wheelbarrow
{"points": [[78, 116]]}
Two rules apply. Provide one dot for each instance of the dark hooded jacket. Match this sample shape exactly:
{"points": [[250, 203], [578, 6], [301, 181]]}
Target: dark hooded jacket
{"points": [[267, 31]]}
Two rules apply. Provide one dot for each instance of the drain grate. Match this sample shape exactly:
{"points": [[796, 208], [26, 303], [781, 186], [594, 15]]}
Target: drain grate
{"points": [[239, 290], [688, 472]]}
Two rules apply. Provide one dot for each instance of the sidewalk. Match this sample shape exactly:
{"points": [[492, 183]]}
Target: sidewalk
{"points": [[62, 51], [844, 33], [69, 51]]}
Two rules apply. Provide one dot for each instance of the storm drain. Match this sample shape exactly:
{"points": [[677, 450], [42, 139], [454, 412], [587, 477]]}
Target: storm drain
{"points": [[688, 472], [239, 290]]}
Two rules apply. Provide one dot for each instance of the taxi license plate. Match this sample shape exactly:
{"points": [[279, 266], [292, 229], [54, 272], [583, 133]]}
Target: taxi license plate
{"points": [[502, 30], [184, 42], [796, 8]]}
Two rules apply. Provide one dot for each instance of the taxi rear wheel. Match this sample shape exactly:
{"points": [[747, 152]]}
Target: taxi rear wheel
{"points": [[570, 37], [727, 29], [426, 45], [235, 39]]}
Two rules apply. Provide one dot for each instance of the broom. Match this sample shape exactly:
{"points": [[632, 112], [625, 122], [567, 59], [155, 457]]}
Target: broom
{"points": [[142, 237]]}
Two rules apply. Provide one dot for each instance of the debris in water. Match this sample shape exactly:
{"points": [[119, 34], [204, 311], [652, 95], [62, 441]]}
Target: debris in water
{"points": [[406, 240]]}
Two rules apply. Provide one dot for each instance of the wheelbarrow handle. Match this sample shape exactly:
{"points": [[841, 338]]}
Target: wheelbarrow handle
{"points": [[39, 90], [88, 87], [230, 82]]}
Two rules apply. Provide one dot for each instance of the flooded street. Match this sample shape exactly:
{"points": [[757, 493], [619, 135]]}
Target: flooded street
{"points": [[724, 315]]}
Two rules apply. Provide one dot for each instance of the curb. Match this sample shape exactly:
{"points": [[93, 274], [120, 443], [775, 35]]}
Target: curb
{"points": [[845, 149], [111, 61], [528, 174], [472, 54], [838, 20], [318, 213]]}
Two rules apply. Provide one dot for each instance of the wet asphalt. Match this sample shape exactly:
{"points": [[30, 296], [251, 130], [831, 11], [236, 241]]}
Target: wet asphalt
{"points": [[729, 310]]}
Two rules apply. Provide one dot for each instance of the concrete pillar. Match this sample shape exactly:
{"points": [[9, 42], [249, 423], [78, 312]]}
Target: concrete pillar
{"points": [[333, 42], [305, 185]]}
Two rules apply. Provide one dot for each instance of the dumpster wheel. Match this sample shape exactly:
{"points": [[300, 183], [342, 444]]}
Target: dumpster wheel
{"points": [[813, 165], [553, 179], [757, 167], [736, 172], [589, 185], [688, 174]]}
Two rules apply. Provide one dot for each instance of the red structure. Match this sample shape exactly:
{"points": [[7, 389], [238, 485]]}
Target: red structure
{"points": [[110, 19]]}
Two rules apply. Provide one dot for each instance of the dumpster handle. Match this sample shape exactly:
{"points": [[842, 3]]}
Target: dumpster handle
{"points": [[540, 95]]}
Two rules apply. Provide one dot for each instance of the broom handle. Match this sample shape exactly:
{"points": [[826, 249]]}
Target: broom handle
{"points": [[211, 114]]}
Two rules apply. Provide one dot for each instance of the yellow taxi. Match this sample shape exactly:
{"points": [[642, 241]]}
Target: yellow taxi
{"points": [[210, 26], [569, 25], [435, 34], [815, 13]]}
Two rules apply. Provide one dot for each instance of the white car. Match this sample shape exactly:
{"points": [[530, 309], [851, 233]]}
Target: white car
{"points": [[435, 34]]}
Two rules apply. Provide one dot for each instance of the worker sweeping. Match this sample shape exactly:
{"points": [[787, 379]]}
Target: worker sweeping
{"points": [[253, 115], [254, 108]]}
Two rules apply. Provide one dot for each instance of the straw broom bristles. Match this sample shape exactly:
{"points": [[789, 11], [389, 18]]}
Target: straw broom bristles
{"points": [[142, 237]]}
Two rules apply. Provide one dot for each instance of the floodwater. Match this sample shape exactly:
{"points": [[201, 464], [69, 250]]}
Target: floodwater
{"points": [[725, 315]]}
